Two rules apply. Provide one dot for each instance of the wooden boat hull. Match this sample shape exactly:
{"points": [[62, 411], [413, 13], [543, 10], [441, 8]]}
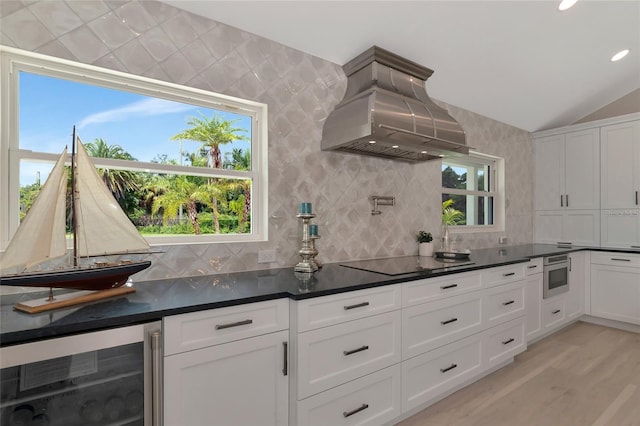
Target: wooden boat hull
{"points": [[95, 278]]}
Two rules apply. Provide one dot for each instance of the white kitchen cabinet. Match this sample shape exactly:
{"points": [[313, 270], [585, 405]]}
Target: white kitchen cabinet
{"points": [[533, 299], [615, 286], [239, 383], [567, 171], [620, 159], [370, 400], [620, 228], [571, 227], [229, 365], [503, 342], [574, 303]]}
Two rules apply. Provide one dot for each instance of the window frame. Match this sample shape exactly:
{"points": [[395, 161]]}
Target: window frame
{"points": [[496, 190], [13, 61]]}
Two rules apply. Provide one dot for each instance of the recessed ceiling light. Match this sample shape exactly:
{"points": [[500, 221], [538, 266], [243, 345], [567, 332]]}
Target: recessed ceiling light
{"points": [[394, 146], [566, 4], [372, 141], [621, 54], [423, 152]]}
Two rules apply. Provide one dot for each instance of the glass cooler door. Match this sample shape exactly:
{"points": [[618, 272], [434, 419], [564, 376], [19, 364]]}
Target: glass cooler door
{"points": [[99, 379]]}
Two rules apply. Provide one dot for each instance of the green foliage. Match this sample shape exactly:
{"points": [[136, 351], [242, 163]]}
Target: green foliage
{"points": [[424, 237], [451, 216]]}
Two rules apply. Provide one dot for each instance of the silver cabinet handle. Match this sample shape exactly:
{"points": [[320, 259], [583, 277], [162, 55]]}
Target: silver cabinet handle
{"points": [[637, 198], [564, 243], [561, 202], [451, 367], [357, 305], [566, 200], [617, 259], [353, 351], [532, 266], [444, 287], [357, 410], [635, 246], [233, 324], [508, 303], [509, 274], [506, 342], [156, 379], [449, 321], [285, 364], [557, 311]]}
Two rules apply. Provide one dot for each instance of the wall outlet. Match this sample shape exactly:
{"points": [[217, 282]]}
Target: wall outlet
{"points": [[266, 256], [502, 240]]}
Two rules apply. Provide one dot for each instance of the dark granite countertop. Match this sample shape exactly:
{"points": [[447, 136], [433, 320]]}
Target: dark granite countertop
{"points": [[156, 299]]}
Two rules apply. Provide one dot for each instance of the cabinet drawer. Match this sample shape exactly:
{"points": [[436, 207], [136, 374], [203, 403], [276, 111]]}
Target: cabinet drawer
{"points": [[330, 356], [329, 310], [503, 303], [553, 311], [503, 275], [370, 400], [427, 290], [616, 259], [503, 342], [534, 266], [427, 376], [434, 324], [197, 330]]}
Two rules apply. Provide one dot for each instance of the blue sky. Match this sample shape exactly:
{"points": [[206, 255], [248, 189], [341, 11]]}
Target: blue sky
{"points": [[50, 107]]}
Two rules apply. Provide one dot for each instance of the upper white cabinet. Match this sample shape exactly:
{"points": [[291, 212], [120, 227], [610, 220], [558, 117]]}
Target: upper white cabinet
{"points": [[567, 171], [620, 156], [568, 227]]}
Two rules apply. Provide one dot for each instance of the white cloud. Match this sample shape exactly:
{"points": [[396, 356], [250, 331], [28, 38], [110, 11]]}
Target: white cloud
{"points": [[145, 107]]}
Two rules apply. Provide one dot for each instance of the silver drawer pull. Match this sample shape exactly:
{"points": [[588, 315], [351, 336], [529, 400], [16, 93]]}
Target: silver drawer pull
{"points": [[506, 342], [353, 351], [557, 311], [509, 274], [233, 324], [508, 303], [635, 246], [620, 260], [533, 266], [449, 321], [451, 367], [357, 410], [357, 305], [444, 287]]}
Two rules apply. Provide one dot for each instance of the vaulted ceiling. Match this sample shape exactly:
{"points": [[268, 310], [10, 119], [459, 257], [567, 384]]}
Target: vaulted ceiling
{"points": [[520, 62]]}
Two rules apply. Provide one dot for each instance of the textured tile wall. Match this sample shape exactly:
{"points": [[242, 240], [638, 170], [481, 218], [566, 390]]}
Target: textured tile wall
{"points": [[155, 40]]}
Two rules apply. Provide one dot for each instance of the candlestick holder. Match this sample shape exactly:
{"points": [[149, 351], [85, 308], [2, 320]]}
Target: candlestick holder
{"points": [[313, 247], [308, 251]]}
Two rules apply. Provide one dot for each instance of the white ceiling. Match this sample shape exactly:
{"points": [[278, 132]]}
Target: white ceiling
{"points": [[520, 62]]}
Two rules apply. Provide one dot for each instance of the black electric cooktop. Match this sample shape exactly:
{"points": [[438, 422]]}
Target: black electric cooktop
{"points": [[406, 265]]}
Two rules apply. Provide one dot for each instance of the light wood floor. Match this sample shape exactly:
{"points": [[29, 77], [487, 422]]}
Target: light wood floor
{"points": [[584, 375]]}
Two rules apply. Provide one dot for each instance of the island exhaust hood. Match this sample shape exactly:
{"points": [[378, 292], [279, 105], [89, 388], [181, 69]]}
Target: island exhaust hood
{"points": [[387, 113]]}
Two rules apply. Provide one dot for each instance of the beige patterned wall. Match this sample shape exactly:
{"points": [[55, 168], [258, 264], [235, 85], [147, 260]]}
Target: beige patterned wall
{"points": [[155, 40]]}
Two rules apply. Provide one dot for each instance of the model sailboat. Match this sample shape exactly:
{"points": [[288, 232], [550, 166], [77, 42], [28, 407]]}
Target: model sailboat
{"points": [[100, 228]]}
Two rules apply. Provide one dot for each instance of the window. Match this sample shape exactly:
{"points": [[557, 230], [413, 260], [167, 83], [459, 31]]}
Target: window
{"points": [[472, 192], [164, 150]]}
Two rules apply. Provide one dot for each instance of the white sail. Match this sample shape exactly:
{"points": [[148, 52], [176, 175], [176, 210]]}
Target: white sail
{"points": [[102, 227], [41, 235]]}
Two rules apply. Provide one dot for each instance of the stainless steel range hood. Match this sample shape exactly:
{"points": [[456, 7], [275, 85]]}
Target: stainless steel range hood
{"points": [[387, 113]]}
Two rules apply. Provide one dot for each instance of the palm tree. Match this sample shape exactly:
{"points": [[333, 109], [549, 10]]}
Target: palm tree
{"points": [[241, 160], [180, 191], [119, 182], [212, 132]]}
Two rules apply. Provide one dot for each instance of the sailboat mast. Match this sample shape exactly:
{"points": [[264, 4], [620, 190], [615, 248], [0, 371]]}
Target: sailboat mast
{"points": [[74, 216]]}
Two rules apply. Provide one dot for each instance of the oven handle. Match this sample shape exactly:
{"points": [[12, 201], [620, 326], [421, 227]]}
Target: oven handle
{"points": [[156, 379]]}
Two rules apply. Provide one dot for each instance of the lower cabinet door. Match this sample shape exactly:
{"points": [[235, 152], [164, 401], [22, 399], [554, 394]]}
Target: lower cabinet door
{"points": [[370, 400], [427, 376], [239, 383], [503, 342]]}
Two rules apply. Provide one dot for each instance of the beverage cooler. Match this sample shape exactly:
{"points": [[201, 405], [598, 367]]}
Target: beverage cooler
{"points": [[104, 378]]}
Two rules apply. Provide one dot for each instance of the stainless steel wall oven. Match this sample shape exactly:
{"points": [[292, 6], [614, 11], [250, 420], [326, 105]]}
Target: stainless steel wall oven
{"points": [[556, 275]]}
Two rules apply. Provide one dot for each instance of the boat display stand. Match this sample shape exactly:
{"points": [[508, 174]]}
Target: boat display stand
{"points": [[69, 299]]}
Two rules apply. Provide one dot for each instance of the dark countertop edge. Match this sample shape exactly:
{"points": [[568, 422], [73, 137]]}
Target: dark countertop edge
{"points": [[36, 334]]}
